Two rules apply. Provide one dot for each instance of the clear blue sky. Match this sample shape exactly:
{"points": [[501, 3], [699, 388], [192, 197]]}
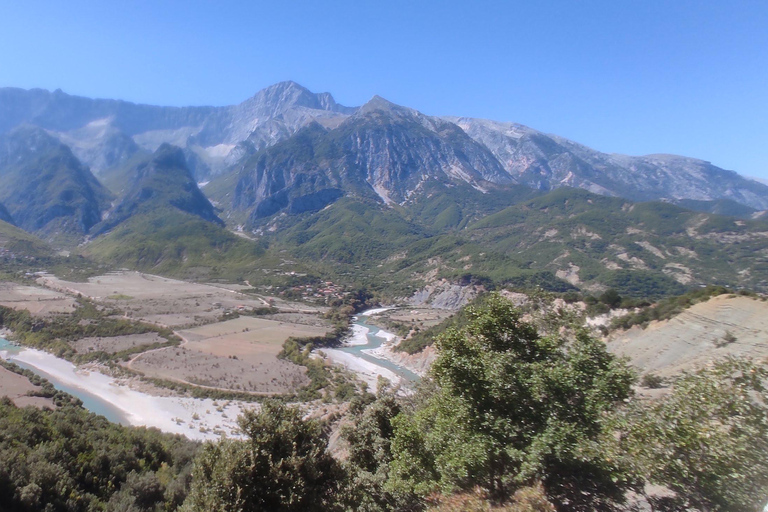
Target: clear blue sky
{"points": [[627, 76]]}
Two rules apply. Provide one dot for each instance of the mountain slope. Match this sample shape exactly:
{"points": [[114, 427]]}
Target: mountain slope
{"points": [[561, 240], [590, 238], [160, 182], [383, 151], [5, 215], [46, 189], [172, 242], [18, 244], [546, 162], [104, 133]]}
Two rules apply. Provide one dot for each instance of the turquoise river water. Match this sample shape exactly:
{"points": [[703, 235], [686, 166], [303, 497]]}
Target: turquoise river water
{"points": [[375, 341], [90, 401], [99, 406]]}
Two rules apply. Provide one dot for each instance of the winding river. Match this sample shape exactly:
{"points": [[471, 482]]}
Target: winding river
{"points": [[93, 403], [366, 338]]}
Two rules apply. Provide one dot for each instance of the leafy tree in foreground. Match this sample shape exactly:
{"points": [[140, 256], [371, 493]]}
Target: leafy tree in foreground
{"points": [[369, 436], [707, 440], [512, 408], [282, 466]]}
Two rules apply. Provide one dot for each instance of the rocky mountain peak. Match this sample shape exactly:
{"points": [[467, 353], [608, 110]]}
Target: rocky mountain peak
{"points": [[378, 104], [25, 142], [282, 96]]}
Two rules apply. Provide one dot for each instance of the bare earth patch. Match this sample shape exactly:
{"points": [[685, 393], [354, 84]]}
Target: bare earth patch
{"points": [[423, 317], [271, 375], [723, 326], [238, 354], [16, 386], [114, 344], [38, 301], [163, 301]]}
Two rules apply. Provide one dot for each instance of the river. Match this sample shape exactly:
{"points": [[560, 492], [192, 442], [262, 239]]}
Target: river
{"points": [[93, 403], [367, 337], [157, 411]]}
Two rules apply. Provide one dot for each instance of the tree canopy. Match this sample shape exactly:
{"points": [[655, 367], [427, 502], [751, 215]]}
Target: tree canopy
{"points": [[707, 440], [512, 408], [283, 465]]}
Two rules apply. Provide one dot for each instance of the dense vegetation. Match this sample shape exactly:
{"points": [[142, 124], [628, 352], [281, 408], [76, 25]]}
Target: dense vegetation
{"points": [[72, 460], [707, 441], [54, 333], [175, 243]]}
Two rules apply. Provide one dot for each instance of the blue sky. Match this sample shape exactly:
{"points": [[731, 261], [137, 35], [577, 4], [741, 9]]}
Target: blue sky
{"points": [[626, 76]]}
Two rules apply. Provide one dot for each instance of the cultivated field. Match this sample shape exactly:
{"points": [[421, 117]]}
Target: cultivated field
{"points": [[114, 344], [239, 354], [167, 302], [16, 387], [723, 326], [269, 376], [38, 301]]}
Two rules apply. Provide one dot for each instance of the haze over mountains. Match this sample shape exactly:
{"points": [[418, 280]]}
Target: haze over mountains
{"points": [[302, 170], [105, 133]]}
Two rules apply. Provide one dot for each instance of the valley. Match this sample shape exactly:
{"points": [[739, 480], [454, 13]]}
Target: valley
{"points": [[430, 296], [224, 348]]}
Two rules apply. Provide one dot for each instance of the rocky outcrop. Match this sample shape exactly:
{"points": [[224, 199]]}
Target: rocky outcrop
{"points": [[104, 133], [444, 295], [379, 149], [383, 151]]}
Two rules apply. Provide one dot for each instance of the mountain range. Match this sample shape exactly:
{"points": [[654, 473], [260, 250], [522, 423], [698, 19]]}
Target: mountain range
{"points": [[300, 172]]}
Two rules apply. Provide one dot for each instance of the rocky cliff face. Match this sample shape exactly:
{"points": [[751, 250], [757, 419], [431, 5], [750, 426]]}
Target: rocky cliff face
{"points": [[546, 162], [104, 133], [382, 151]]}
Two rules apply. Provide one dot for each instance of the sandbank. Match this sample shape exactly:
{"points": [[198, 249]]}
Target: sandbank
{"points": [[198, 419]]}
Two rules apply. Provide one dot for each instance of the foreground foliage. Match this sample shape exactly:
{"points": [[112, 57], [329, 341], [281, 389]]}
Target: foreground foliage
{"points": [[512, 408], [516, 416], [282, 466], [72, 460], [707, 441]]}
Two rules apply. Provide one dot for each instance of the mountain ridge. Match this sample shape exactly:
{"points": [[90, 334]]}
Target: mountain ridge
{"points": [[107, 133]]}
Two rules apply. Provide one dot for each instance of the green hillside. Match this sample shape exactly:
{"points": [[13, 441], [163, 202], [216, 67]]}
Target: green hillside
{"points": [[171, 242], [562, 240], [160, 181], [17, 243], [616, 242], [47, 190]]}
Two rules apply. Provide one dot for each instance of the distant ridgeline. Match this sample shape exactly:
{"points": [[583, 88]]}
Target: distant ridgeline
{"points": [[380, 195]]}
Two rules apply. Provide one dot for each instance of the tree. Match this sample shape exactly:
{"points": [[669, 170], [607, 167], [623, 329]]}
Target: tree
{"points": [[283, 465], [611, 298], [512, 408], [369, 437], [707, 440]]}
